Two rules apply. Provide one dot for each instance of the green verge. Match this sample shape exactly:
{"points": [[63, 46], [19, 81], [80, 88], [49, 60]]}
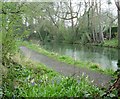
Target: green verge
{"points": [[66, 59], [30, 79], [111, 43]]}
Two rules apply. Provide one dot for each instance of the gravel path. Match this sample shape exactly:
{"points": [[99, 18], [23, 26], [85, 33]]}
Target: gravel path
{"points": [[100, 79]]}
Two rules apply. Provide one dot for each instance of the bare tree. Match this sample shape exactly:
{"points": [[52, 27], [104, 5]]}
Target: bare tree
{"points": [[117, 2], [101, 37]]}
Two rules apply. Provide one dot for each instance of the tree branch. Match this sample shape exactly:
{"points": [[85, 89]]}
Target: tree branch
{"points": [[118, 4], [67, 18]]}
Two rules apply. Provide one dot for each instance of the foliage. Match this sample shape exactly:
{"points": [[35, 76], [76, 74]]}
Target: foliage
{"points": [[11, 29], [61, 86]]}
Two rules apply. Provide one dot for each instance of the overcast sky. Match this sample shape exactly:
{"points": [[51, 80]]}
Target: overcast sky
{"points": [[112, 7]]}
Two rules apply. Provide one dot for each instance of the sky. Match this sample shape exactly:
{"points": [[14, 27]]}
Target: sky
{"points": [[112, 7]]}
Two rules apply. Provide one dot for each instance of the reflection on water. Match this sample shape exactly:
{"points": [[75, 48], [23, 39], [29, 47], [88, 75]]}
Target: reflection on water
{"points": [[106, 57]]}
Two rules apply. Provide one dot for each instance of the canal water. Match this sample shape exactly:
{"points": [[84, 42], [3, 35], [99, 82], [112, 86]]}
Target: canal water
{"points": [[106, 57]]}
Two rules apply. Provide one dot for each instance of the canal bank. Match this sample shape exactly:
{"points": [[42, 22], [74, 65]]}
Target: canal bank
{"points": [[98, 78]]}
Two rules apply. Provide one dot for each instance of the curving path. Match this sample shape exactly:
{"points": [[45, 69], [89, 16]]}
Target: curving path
{"points": [[67, 69]]}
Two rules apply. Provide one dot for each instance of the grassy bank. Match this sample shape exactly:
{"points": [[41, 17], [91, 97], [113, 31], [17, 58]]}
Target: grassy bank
{"points": [[30, 79], [66, 59], [111, 43]]}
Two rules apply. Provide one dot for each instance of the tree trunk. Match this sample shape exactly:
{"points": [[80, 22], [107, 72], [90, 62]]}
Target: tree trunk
{"points": [[110, 32], [93, 34], [93, 19], [101, 37]]}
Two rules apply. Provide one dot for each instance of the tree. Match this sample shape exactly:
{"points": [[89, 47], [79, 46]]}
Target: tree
{"points": [[68, 21], [11, 25]]}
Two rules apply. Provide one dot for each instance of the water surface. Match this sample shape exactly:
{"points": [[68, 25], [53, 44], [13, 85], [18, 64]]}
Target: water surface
{"points": [[106, 57]]}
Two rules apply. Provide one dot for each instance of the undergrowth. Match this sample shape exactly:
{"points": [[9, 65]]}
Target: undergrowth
{"points": [[30, 79]]}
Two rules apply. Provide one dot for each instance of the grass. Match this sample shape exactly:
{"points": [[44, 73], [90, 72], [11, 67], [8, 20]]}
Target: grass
{"points": [[111, 43], [30, 79], [66, 59]]}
